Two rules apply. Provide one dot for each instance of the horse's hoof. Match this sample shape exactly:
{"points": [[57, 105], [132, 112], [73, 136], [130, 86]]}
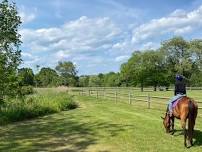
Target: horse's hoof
{"points": [[188, 145]]}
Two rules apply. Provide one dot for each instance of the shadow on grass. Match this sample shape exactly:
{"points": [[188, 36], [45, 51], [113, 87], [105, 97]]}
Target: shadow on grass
{"points": [[197, 136], [56, 133]]}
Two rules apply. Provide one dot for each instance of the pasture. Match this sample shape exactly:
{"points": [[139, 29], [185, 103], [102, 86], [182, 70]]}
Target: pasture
{"points": [[100, 125]]}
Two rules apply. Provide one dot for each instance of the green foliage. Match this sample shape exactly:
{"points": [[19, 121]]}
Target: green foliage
{"points": [[26, 76], [178, 55], [9, 49], [68, 73], [94, 81], [83, 81], [196, 79], [196, 49], [69, 105], [159, 67], [36, 105], [26, 90], [47, 77], [111, 79]]}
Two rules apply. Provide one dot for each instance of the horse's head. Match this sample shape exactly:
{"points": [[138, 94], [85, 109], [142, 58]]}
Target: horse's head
{"points": [[166, 122]]}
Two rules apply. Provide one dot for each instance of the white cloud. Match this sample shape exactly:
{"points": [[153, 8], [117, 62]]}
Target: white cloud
{"points": [[183, 30], [149, 46], [87, 41], [122, 58], [178, 13], [178, 22], [29, 59], [27, 15], [61, 55]]}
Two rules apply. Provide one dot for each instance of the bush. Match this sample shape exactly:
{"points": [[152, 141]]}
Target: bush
{"points": [[69, 104], [34, 106], [26, 90]]}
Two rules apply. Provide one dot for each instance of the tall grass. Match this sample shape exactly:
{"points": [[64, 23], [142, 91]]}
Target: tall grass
{"points": [[39, 104]]}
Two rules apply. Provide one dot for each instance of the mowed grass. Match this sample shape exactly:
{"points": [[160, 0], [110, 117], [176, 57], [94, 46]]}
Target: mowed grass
{"points": [[98, 126]]}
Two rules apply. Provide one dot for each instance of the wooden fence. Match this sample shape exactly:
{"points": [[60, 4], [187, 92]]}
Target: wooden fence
{"points": [[121, 94]]}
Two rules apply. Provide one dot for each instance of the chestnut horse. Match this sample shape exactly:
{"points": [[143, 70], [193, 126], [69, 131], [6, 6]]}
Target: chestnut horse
{"points": [[186, 108]]}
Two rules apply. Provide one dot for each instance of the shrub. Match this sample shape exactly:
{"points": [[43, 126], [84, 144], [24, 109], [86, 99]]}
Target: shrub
{"points": [[69, 104], [34, 106], [26, 90]]}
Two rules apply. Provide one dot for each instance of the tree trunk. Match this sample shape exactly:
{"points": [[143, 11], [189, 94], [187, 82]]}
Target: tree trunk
{"points": [[142, 86], [155, 88]]}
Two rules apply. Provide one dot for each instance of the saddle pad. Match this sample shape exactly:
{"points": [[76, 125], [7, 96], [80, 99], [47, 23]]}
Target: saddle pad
{"points": [[176, 102]]}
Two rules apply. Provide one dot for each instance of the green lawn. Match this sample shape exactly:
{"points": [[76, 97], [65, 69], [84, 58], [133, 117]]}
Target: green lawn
{"points": [[97, 126]]}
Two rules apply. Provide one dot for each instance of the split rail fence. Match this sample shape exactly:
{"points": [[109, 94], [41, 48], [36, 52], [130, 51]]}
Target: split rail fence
{"points": [[127, 95]]}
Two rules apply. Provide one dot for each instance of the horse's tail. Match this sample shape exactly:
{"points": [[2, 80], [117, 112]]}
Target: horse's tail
{"points": [[191, 118]]}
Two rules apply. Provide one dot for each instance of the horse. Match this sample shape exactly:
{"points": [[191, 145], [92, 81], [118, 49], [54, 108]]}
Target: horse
{"points": [[186, 108]]}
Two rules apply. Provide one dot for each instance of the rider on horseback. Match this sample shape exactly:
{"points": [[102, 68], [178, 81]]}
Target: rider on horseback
{"points": [[180, 91]]}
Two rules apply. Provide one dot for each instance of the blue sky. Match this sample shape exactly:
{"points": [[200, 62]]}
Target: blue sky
{"points": [[99, 35]]}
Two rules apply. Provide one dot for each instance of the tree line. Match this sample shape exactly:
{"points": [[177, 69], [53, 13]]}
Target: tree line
{"points": [[144, 68]]}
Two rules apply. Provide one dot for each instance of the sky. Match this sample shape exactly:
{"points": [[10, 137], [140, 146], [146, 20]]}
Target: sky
{"points": [[99, 35]]}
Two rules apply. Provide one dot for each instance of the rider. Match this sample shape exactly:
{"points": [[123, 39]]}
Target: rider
{"points": [[180, 91]]}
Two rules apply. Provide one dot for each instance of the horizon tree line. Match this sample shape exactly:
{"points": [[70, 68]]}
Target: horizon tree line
{"points": [[144, 68]]}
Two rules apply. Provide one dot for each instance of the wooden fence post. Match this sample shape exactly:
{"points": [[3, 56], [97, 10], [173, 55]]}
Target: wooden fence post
{"points": [[104, 94], [116, 96], [148, 100], [89, 92], [97, 94], [129, 97]]}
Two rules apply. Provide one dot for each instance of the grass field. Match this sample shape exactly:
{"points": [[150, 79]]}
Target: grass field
{"points": [[98, 126]]}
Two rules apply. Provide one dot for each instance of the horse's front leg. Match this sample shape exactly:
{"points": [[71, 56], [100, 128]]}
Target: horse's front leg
{"points": [[172, 125]]}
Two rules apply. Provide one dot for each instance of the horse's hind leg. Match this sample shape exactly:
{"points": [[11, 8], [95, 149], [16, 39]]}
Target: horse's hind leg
{"points": [[185, 137], [183, 123]]}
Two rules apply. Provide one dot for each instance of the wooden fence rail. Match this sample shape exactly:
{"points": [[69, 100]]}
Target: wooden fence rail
{"points": [[116, 95]]}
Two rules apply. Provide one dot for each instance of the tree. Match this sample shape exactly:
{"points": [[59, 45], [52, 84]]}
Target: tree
{"points": [[68, 72], [26, 77], [196, 49], [10, 54], [47, 77], [196, 79], [83, 81], [94, 81], [177, 55], [101, 79], [156, 74], [134, 71], [111, 79], [37, 70]]}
